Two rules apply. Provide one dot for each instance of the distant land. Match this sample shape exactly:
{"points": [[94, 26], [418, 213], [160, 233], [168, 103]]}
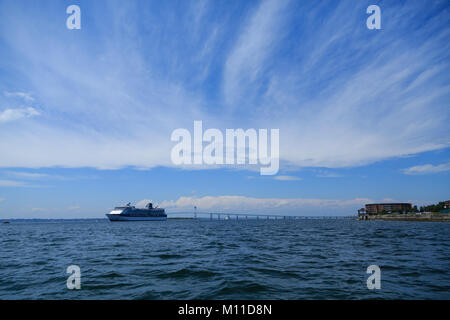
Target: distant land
{"points": [[405, 212], [425, 217]]}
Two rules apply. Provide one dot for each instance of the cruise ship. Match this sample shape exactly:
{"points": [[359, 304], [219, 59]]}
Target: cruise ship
{"points": [[131, 213]]}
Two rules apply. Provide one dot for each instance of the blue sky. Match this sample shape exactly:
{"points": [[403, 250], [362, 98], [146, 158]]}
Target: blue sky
{"points": [[86, 115]]}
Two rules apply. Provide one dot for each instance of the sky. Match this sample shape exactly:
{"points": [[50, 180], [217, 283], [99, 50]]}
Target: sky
{"points": [[86, 115]]}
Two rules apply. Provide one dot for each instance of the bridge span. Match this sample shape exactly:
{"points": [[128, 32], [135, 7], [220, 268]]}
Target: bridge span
{"points": [[240, 216]]}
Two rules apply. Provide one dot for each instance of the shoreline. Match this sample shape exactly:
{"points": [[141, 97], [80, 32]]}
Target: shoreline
{"points": [[428, 217]]}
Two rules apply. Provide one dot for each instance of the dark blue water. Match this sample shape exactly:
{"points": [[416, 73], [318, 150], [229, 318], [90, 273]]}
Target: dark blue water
{"points": [[282, 259]]}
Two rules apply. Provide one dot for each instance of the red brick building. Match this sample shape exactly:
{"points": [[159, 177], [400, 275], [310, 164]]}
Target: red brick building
{"points": [[377, 208]]}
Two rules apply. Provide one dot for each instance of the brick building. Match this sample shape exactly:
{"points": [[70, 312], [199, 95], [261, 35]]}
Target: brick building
{"points": [[376, 208]]}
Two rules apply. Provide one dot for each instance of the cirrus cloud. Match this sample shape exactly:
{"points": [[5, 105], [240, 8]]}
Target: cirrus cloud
{"points": [[427, 169], [23, 95], [336, 90], [8, 115], [287, 178]]}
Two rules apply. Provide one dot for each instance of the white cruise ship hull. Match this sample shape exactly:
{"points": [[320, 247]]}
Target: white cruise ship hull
{"points": [[119, 217]]}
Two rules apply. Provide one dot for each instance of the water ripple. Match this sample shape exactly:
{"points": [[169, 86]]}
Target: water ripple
{"points": [[302, 259]]}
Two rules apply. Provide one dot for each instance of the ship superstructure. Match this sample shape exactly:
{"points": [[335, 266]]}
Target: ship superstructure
{"points": [[131, 213]]}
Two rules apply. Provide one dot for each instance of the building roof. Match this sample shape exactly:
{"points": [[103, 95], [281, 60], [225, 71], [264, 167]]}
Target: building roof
{"points": [[387, 203]]}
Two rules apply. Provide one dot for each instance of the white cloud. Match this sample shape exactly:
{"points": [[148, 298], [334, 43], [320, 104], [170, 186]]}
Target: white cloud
{"points": [[427, 169], [27, 175], [327, 174], [16, 114], [24, 95], [2, 199], [44, 176], [11, 183], [247, 61], [287, 178], [18, 183], [340, 96], [273, 205]]}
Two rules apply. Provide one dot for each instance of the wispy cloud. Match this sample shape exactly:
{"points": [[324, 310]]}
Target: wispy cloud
{"points": [[16, 114], [336, 90], [427, 169], [12, 183], [26, 175], [19, 183], [44, 176], [287, 178], [23, 95], [328, 174], [248, 60]]}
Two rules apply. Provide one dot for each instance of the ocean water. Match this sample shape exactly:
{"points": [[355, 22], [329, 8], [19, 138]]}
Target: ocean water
{"points": [[274, 259]]}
